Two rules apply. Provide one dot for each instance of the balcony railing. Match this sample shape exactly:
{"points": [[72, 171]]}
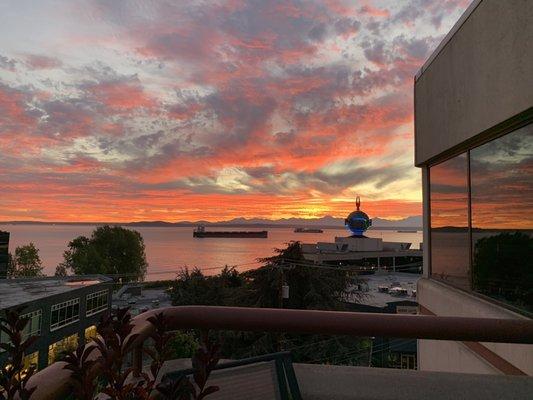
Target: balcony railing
{"points": [[53, 381]]}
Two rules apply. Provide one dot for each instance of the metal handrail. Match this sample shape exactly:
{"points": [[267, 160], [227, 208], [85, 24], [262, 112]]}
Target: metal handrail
{"points": [[53, 381]]}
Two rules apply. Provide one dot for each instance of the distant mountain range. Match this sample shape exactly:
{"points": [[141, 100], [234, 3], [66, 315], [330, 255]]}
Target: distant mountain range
{"points": [[414, 222]]}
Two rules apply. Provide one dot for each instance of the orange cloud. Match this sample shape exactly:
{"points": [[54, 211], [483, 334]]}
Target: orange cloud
{"points": [[213, 111]]}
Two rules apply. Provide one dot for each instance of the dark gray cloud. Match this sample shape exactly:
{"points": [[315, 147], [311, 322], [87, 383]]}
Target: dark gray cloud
{"points": [[267, 181], [375, 51], [418, 48], [244, 117]]}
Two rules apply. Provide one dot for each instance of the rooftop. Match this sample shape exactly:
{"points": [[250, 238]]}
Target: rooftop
{"points": [[150, 298], [336, 382], [14, 292], [376, 298]]}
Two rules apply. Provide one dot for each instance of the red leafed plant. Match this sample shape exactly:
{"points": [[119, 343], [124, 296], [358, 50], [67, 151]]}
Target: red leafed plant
{"points": [[13, 376], [203, 362], [114, 343], [99, 367]]}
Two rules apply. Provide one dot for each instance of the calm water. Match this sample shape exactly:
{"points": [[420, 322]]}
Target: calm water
{"points": [[169, 249]]}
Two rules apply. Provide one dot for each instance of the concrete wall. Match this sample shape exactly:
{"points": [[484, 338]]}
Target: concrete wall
{"points": [[443, 300], [425, 221], [359, 244], [396, 246], [480, 78]]}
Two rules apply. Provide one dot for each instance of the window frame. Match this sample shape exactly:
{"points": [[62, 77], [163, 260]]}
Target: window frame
{"points": [[95, 296], [61, 308], [469, 228], [31, 315]]}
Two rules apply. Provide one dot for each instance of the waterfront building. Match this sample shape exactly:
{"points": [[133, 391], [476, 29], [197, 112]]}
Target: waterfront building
{"points": [[474, 145], [62, 311], [4, 253], [358, 250]]}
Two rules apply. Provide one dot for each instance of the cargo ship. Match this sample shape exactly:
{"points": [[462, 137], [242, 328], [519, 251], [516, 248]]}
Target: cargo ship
{"points": [[308, 230], [200, 232]]}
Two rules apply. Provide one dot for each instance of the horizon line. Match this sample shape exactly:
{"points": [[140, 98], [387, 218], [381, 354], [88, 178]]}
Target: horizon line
{"points": [[266, 220]]}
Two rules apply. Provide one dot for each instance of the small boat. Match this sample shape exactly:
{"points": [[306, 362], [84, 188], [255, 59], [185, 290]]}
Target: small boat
{"points": [[308, 230], [200, 232]]}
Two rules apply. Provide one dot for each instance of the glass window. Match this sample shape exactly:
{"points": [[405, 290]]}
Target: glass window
{"points": [[31, 360], [408, 361], [501, 174], [57, 350], [64, 313], [450, 253], [3, 339], [33, 327], [96, 302]]}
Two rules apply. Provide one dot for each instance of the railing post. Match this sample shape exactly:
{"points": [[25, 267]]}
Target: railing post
{"points": [[137, 360]]}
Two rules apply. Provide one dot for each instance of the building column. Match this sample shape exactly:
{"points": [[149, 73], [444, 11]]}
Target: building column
{"points": [[425, 221]]}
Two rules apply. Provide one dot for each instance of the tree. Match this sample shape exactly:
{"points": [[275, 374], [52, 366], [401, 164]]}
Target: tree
{"points": [[194, 288], [310, 288], [61, 270], [109, 250], [503, 267], [10, 266], [182, 345], [26, 263]]}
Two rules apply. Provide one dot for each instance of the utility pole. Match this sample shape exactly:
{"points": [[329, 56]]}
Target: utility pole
{"points": [[371, 349], [280, 302], [283, 293], [280, 291]]}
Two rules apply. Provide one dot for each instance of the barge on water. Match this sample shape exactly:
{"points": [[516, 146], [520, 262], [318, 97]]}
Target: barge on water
{"points": [[200, 232], [308, 230]]}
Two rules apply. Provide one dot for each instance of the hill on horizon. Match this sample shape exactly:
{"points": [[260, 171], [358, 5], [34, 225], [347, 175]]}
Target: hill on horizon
{"points": [[326, 221]]}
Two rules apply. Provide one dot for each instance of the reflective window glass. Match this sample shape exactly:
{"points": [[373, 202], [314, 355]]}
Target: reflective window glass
{"points": [[501, 173], [450, 251]]}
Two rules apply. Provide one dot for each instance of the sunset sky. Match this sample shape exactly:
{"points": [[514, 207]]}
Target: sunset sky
{"points": [[187, 110]]}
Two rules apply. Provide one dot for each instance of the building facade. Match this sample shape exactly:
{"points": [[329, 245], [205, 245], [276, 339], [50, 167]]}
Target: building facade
{"points": [[381, 295], [474, 144], [4, 253], [62, 312]]}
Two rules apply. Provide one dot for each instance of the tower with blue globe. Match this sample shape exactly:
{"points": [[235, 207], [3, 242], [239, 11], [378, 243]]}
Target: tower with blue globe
{"points": [[357, 222]]}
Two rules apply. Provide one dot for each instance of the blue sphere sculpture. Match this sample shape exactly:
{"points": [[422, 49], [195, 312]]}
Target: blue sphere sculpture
{"points": [[357, 222]]}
